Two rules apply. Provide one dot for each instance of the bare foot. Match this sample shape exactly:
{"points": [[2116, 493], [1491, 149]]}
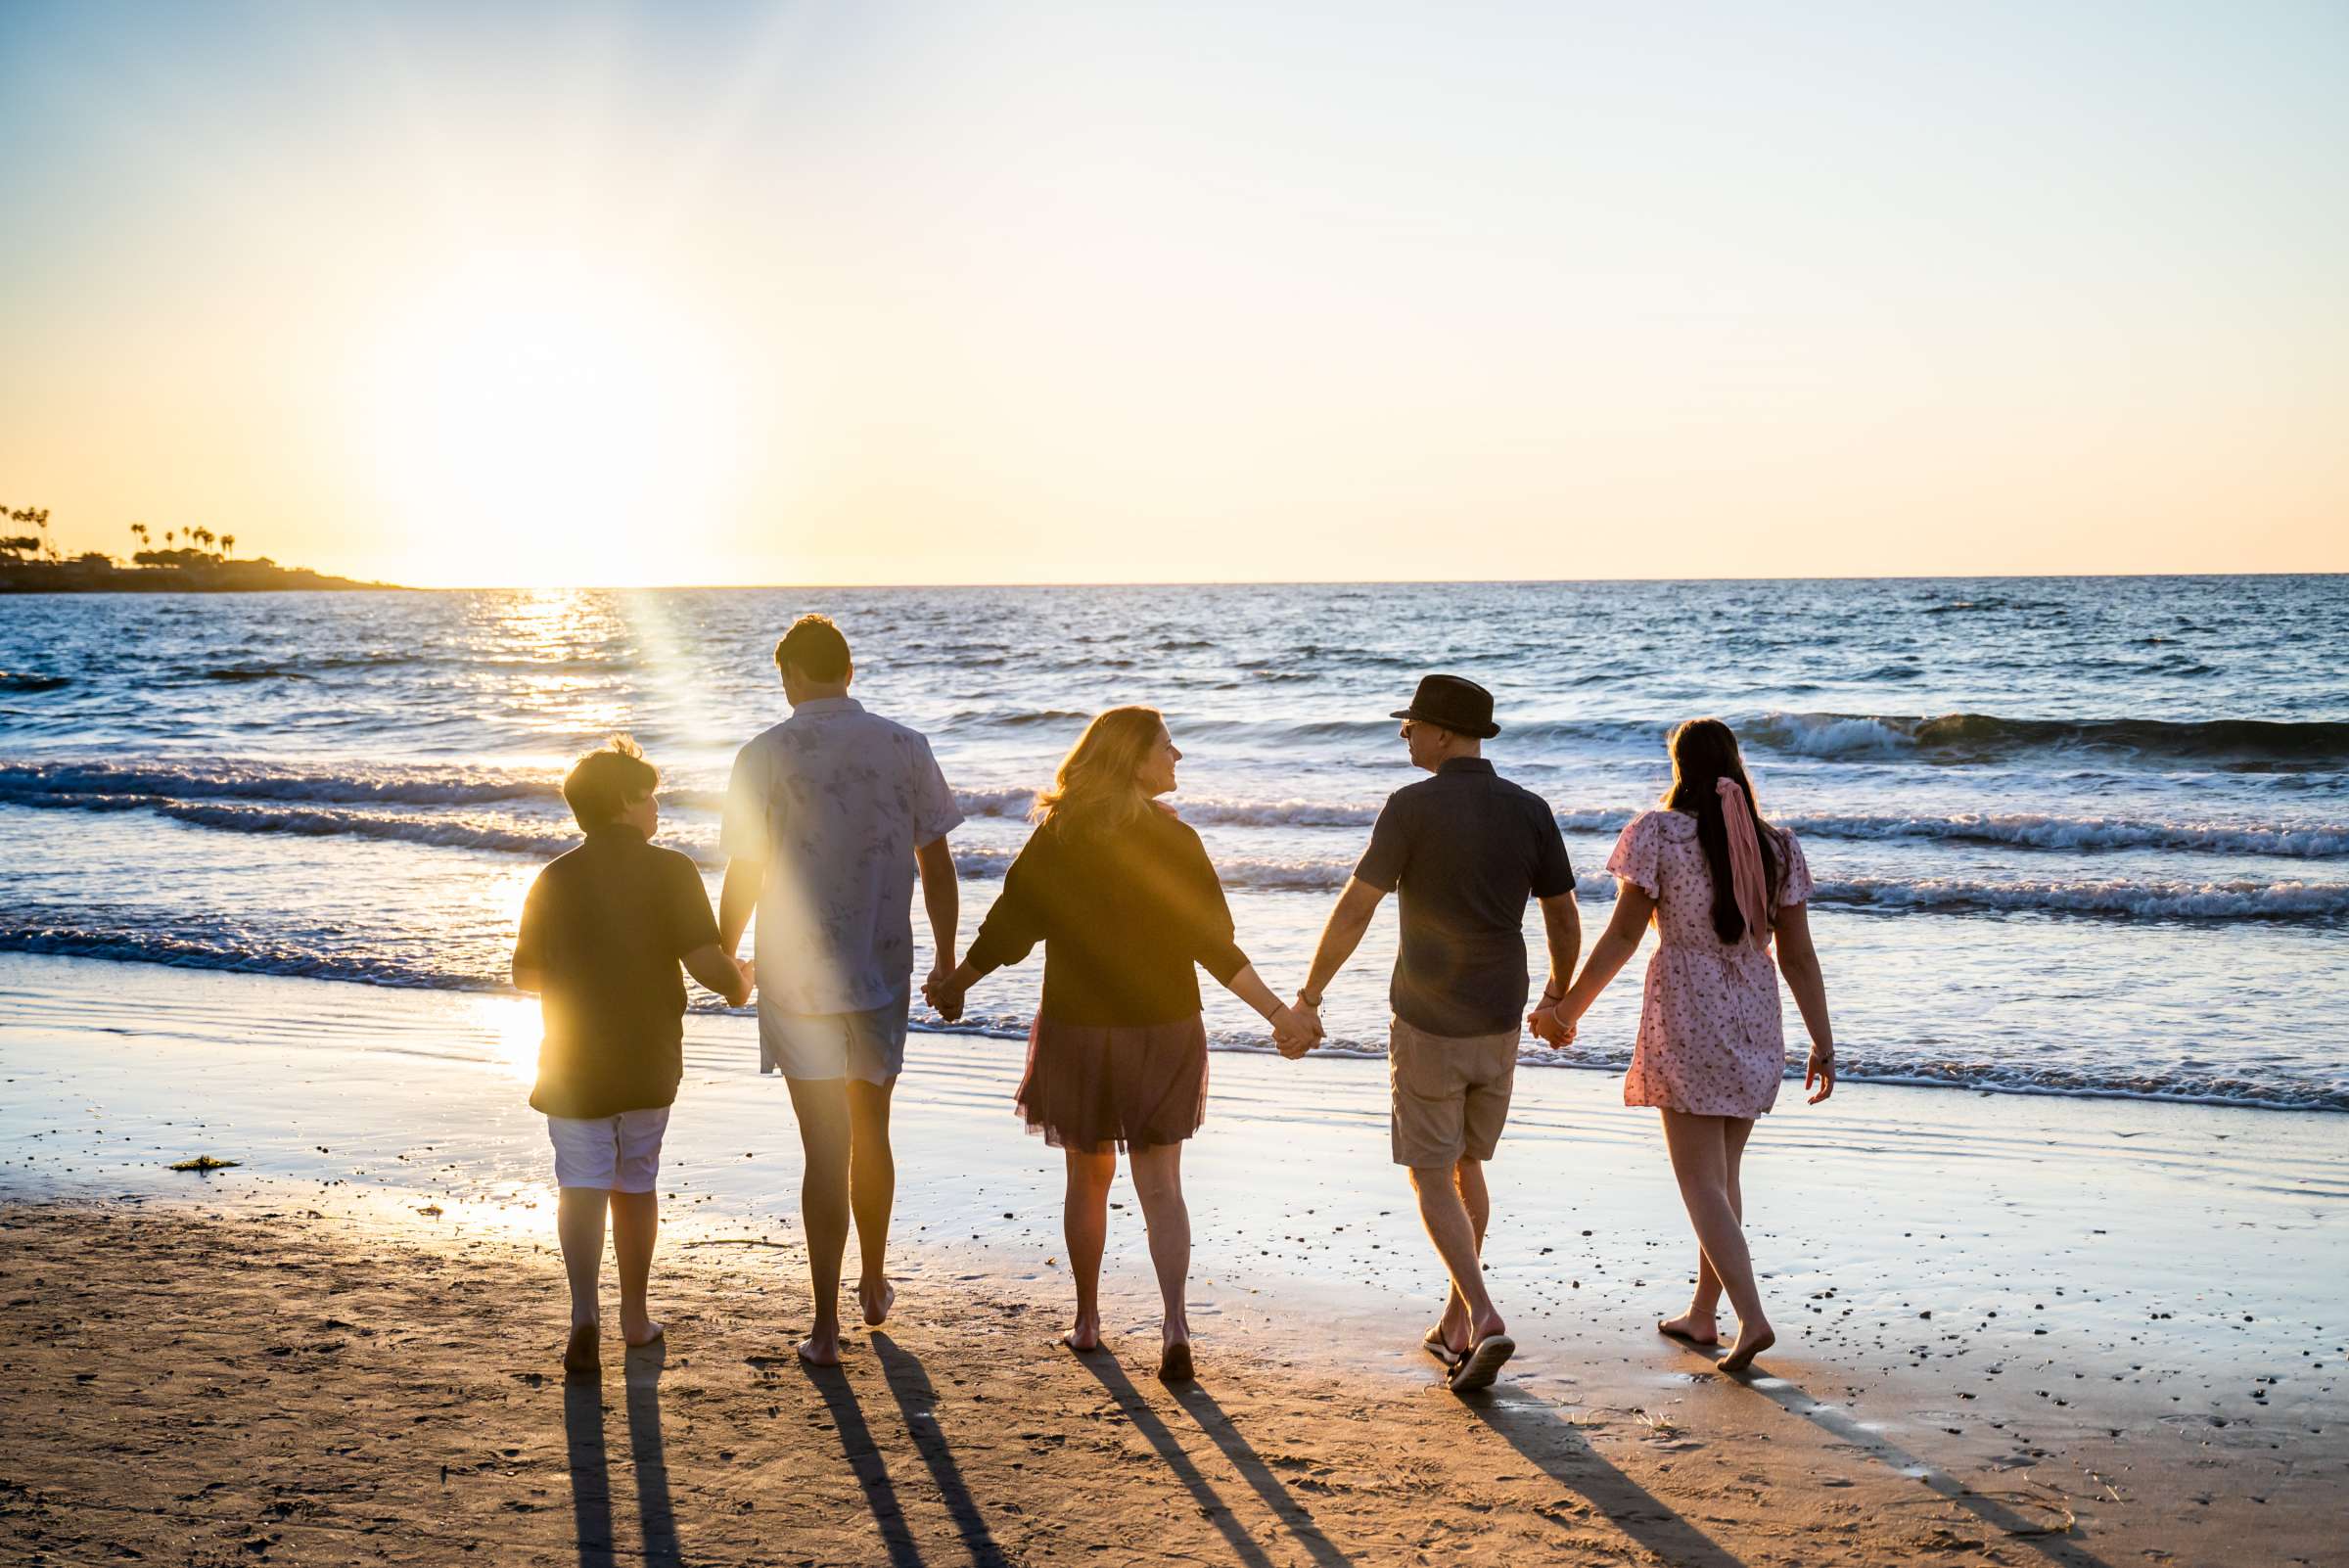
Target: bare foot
{"points": [[581, 1357], [1450, 1336], [876, 1303], [1693, 1328], [1174, 1362], [1083, 1335], [640, 1334], [1751, 1342], [821, 1349]]}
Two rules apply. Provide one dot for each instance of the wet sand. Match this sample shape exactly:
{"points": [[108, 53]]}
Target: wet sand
{"points": [[2132, 1322]]}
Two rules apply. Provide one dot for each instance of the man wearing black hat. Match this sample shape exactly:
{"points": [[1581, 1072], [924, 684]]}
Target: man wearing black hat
{"points": [[1465, 849]]}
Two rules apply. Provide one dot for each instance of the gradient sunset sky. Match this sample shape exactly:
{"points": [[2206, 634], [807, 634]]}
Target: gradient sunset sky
{"points": [[881, 292]]}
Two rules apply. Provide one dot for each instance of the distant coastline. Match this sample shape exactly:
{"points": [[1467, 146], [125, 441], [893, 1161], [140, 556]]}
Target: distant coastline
{"points": [[205, 575]]}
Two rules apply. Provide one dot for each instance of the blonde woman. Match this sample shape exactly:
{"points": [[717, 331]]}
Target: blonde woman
{"points": [[1124, 901]]}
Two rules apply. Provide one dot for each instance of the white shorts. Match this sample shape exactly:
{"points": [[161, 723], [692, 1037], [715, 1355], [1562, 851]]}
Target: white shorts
{"points": [[869, 1045], [618, 1153]]}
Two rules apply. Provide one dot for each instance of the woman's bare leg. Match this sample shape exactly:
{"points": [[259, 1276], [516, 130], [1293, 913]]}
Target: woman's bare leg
{"points": [[1701, 1162], [1085, 1226], [1700, 1324], [1158, 1183]]}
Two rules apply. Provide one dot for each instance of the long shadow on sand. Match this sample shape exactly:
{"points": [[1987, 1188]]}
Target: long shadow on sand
{"points": [[917, 1401], [1144, 1419], [591, 1466], [1536, 1431], [865, 1461], [648, 1457], [590, 1474], [1201, 1406], [1844, 1428]]}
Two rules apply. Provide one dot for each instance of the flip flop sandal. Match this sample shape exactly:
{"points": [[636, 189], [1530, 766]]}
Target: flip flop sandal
{"points": [[1174, 1365], [1432, 1342], [1481, 1365]]}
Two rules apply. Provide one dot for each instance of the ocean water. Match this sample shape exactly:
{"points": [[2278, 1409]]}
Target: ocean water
{"points": [[2071, 836]]}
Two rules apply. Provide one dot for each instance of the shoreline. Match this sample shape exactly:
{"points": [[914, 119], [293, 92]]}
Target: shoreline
{"points": [[1531, 1056]]}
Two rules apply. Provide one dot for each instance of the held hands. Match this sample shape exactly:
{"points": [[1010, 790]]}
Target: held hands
{"points": [[1821, 1070], [1297, 1029], [1549, 1022], [941, 992], [746, 980]]}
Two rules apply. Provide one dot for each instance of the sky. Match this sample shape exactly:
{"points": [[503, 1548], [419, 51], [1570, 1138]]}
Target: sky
{"points": [[476, 294]]}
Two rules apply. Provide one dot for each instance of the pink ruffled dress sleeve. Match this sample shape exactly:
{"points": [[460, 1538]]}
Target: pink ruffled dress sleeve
{"points": [[1796, 888], [1636, 853]]}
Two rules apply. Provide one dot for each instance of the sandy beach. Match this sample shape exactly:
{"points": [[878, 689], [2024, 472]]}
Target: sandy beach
{"points": [[1998, 1313]]}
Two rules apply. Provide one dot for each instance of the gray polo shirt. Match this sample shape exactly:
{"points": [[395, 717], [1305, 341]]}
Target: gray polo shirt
{"points": [[835, 801]]}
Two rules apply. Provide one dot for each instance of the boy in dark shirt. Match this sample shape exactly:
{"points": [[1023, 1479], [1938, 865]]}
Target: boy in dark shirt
{"points": [[602, 933]]}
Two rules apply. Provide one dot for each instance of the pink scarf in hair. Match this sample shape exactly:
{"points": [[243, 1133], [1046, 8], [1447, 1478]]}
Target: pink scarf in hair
{"points": [[1748, 880]]}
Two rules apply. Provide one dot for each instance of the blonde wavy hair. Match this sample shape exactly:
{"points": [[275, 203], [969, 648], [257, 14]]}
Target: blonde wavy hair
{"points": [[1098, 786]]}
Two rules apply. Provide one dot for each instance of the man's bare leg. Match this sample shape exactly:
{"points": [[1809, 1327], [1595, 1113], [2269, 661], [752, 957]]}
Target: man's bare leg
{"points": [[1448, 1226], [635, 1223], [1085, 1226], [822, 1105], [579, 1229], [872, 1193], [1468, 1176]]}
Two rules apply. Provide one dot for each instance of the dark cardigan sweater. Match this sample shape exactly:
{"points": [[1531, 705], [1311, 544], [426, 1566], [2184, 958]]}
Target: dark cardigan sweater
{"points": [[1123, 917]]}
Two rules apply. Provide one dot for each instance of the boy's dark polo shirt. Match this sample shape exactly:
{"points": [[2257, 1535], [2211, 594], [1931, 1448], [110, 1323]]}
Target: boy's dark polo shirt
{"points": [[605, 926], [1467, 848]]}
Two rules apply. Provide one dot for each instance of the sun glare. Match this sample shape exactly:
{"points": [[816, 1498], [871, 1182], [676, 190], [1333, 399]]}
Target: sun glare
{"points": [[536, 419], [511, 1030]]}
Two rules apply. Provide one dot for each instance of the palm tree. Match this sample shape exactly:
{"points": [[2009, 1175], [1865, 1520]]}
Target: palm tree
{"points": [[168, 536], [229, 545], [202, 536]]}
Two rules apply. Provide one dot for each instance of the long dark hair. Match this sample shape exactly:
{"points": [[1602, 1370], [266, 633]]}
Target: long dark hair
{"points": [[1704, 752]]}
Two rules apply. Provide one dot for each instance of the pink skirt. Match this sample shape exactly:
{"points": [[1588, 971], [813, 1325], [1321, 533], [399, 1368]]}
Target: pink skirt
{"points": [[1092, 1086]]}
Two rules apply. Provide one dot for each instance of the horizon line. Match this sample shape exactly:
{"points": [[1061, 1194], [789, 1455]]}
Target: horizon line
{"points": [[1345, 583]]}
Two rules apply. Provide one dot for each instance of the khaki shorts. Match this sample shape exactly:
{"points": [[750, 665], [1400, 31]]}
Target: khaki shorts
{"points": [[1450, 1095]]}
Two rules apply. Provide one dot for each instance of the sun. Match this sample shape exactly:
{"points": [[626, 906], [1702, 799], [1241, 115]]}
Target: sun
{"points": [[541, 418]]}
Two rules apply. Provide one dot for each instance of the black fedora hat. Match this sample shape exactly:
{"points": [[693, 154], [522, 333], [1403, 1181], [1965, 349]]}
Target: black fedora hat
{"points": [[1454, 704]]}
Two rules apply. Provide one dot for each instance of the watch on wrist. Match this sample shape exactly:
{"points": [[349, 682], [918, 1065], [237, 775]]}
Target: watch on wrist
{"points": [[1309, 999]]}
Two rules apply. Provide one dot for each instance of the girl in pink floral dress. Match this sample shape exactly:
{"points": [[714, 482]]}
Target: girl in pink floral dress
{"points": [[1720, 884]]}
